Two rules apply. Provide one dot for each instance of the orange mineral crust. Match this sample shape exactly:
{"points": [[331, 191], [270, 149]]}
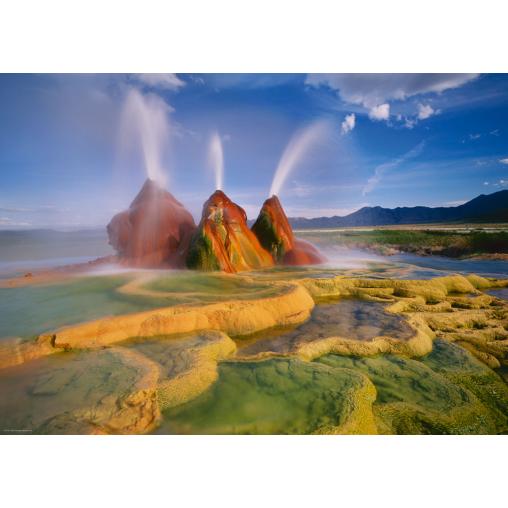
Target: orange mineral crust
{"points": [[223, 240], [154, 232], [274, 232]]}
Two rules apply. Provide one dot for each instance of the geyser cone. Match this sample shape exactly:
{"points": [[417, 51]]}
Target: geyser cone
{"points": [[274, 232], [154, 232], [223, 240]]}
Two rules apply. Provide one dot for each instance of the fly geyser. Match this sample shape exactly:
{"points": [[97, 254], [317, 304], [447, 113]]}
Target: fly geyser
{"points": [[274, 232], [154, 232], [157, 231], [223, 240]]}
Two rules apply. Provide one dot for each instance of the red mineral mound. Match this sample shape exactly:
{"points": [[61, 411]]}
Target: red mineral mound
{"points": [[154, 232], [274, 232], [223, 240]]}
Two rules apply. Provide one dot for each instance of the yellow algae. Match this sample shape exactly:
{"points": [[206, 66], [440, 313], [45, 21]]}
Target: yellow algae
{"points": [[451, 306], [432, 290], [187, 365], [291, 306], [418, 345], [181, 374], [488, 359], [361, 419], [15, 350], [447, 391], [446, 304]]}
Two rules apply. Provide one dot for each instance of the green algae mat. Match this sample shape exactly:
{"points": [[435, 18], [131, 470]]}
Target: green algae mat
{"points": [[211, 287], [31, 310], [280, 396], [446, 392]]}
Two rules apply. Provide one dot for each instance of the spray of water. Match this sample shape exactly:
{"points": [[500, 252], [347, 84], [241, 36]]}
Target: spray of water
{"points": [[144, 122], [296, 151], [216, 159]]}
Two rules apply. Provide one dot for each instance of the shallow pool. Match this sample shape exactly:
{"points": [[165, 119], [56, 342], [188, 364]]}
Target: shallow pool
{"points": [[354, 319]]}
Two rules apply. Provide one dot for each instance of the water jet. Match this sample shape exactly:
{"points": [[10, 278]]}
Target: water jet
{"points": [[144, 124], [216, 159], [295, 152]]}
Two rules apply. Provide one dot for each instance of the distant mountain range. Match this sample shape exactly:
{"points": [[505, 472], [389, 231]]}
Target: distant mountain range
{"points": [[484, 208]]}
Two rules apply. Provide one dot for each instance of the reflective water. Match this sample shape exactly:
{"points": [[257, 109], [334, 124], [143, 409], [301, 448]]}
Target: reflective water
{"points": [[446, 392], [22, 251], [484, 267], [499, 293], [89, 381], [352, 319], [31, 310]]}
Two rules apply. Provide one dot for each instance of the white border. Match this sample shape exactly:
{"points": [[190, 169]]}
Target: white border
{"points": [[252, 36], [256, 471]]}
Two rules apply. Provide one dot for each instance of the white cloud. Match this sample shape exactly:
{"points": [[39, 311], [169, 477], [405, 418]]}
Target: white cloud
{"points": [[380, 112], [9, 209], [380, 170], [370, 90], [457, 202], [500, 183], [409, 123], [163, 81], [503, 161], [374, 92], [7, 221], [425, 111], [309, 212], [38, 209], [348, 124], [472, 137]]}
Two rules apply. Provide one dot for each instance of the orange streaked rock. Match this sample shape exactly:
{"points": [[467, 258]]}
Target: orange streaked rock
{"points": [[274, 232], [154, 232], [223, 241]]}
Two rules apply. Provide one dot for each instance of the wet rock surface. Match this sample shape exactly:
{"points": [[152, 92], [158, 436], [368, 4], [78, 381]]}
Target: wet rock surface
{"points": [[106, 391], [274, 232], [351, 319], [187, 365], [223, 240], [377, 355]]}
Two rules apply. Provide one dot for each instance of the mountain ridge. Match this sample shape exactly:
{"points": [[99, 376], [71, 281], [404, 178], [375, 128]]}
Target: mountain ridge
{"points": [[483, 208]]}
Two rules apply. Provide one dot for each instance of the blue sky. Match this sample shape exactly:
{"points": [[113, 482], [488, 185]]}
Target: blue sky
{"points": [[390, 140]]}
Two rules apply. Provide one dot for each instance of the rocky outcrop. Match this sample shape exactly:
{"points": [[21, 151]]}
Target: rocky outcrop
{"points": [[154, 232], [274, 232], [223, 240]]}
